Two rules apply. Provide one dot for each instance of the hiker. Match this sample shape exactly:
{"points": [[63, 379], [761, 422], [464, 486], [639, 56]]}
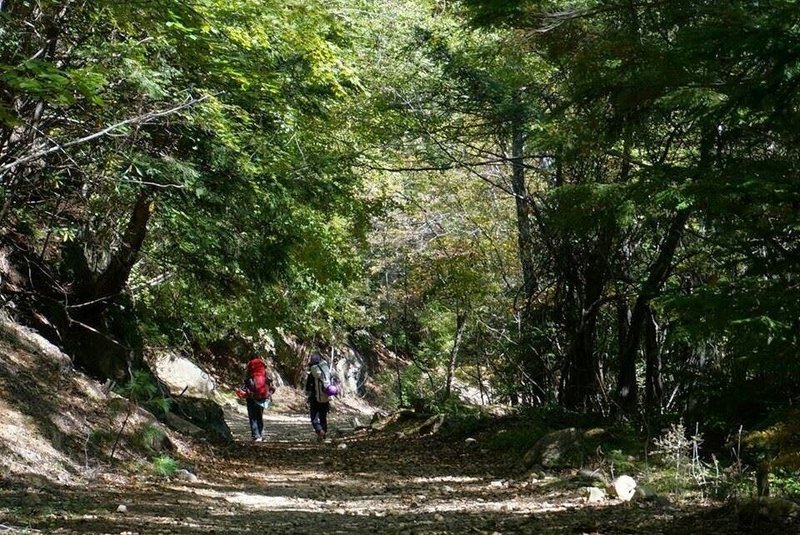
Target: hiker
{"points": [[258, 390], [319, 389]]}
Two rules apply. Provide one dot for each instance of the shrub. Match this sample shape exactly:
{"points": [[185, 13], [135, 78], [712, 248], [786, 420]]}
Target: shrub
{"points": [[149, 437], [165, 466]]}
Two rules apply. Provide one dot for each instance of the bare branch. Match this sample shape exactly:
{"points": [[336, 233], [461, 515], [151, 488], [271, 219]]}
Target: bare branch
{"points": [[141, 119]]}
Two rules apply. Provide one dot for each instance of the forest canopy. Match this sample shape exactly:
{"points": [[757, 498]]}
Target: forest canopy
{"points": [[592, 205]]}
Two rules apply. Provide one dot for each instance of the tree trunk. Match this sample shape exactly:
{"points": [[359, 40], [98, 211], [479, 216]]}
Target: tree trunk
{"points": [[461, 322], [580, 370], [524, 226], [481, 386], [654, 390], [89, 334], [525, 250], [627, 389], [579, 378], [115, 277]]}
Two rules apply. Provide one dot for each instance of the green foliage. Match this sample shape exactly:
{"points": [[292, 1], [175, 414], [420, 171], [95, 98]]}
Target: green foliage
{"points": [[622, 461], [165, 466], [491, 186], [386, 393], [253, 192], [419, 387], [148, 437], [786, 482], [143, 389], [100, 437], [631, 81], [774, 445], [454, 406]]}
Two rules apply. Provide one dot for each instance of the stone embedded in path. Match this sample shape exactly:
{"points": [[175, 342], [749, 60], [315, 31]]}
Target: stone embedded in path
{"points": [[623, 488], [595, 495]]}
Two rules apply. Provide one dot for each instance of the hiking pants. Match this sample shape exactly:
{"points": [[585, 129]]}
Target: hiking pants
{"points": [[255, 413], [319, 416]]}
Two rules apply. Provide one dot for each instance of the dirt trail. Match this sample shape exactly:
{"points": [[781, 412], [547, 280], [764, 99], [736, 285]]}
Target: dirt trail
{"points": [[354, 484]]}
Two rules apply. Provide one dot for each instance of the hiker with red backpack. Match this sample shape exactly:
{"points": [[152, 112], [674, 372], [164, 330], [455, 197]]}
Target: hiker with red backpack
{"points": [[320, 388], [258, 390]]}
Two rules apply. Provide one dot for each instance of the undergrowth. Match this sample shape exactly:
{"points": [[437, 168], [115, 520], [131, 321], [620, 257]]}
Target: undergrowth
{"points": [[165, 466]]}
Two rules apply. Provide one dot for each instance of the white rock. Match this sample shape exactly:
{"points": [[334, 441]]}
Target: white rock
{"points": [[122, 509], [595, 495], [623, 488], [179, 373], [471, 442]]}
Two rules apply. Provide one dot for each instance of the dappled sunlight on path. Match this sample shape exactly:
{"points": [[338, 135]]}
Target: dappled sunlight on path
{"points": [[356, 483]]}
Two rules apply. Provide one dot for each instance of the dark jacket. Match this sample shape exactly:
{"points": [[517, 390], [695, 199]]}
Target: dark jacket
{"points": [[315, 390]]}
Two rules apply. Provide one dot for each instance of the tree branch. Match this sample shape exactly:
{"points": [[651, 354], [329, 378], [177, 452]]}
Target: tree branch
{"points": [[141, 119]]}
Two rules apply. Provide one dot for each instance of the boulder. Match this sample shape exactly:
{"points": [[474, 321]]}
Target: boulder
{"points": [[182, 426], [623, 488], [560, 449], [202, 413], [351, 369], [181, 375]]}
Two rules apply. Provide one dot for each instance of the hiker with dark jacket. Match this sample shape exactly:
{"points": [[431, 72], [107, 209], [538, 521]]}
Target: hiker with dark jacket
{"points": [[258, 390], [319, 389]]}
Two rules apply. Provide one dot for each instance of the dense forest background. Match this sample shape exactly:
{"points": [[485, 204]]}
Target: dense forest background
{"points": [[592, 205]]}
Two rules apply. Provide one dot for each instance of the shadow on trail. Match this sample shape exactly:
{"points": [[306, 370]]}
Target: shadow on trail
{"points": [[194, 509], [291, 484]]}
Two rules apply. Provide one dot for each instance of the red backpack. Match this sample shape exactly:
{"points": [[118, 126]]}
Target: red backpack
{"points": [[258, 382]]}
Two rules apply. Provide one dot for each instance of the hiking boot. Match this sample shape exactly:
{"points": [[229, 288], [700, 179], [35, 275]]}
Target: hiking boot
{"points": [[258, 439], [320, 436]]}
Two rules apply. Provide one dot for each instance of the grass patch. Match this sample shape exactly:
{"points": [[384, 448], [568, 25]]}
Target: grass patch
{"points": [[165, 466], [149, 437]]}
